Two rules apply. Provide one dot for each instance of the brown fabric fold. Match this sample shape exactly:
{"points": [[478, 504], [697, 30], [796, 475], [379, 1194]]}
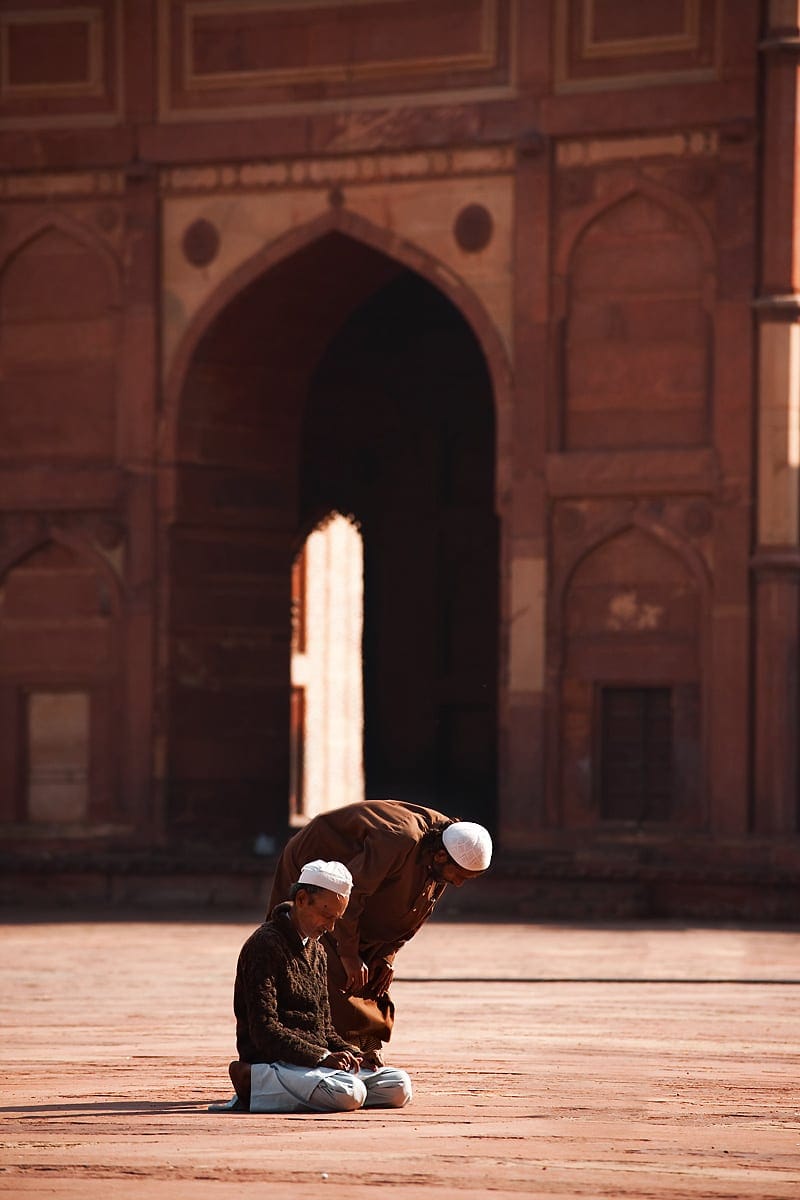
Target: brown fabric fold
{"points": [[368, 1022]]}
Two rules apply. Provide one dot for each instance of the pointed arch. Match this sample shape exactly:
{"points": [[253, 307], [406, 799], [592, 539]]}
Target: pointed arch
{"points": [[327, 694], [251, 401], [318, 518], [16, 555], [384, 242], [635, 308], [692, 560], [627, 188], [60, 287], [60, 633], [59, 222], [630, 661]]}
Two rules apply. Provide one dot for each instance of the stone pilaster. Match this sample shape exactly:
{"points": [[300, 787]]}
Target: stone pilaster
{"points": [[776, 563]]}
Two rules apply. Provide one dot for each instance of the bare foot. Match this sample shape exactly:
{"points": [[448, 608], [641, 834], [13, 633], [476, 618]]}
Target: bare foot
{"points": [[240, 1078]]}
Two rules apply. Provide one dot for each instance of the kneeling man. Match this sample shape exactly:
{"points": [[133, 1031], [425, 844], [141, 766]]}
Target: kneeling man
{"points": [[291, 1059]]}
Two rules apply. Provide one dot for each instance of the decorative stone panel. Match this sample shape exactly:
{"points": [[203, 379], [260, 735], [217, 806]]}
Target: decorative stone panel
{"points": [[603, 44], [60, 63], [224, 56], [58, 341], [633, 616], [637, 344]]}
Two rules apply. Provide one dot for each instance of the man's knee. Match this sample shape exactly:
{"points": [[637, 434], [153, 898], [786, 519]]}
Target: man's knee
{"points": [[340, 1092], [389, 1088], [240, 1078]]}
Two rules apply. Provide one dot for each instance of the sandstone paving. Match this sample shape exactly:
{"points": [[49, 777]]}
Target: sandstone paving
{"points": [[624, 1062]]}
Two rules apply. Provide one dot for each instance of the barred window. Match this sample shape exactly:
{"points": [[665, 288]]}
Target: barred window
{"points": [[636, 753]]}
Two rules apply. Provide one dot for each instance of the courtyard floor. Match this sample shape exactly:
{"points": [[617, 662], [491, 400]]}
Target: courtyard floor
{"points": [[548, 1061]]}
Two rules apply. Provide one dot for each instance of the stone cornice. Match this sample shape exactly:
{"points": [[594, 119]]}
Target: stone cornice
{"points": [[778, 306], [786, 42], [776, 560]]}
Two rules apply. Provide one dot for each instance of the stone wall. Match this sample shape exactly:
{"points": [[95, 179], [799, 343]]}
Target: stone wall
{"points": [[198, 200]]}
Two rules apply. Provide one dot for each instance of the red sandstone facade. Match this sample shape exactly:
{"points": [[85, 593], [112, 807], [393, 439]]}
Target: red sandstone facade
{"points": [[513, 282]]}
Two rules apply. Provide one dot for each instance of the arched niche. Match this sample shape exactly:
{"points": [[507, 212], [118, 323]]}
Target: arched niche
{"points": [[636, 362], [59, 334], [631, 684], [59, 612], [58, 268]]}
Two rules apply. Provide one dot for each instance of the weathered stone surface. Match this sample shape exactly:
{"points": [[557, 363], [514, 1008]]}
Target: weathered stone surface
{"points": [[609, 1063]]}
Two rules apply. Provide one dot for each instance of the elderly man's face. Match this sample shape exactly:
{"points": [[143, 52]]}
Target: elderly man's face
{"points": [[316, 913], [447, 871]]}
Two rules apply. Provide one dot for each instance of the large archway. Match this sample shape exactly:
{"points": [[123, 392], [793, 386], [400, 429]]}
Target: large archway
{"points": [[339, 379]]}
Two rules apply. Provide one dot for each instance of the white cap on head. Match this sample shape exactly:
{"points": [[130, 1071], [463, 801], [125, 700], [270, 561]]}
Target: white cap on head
{"points": [[333, 876], [468, 844]]}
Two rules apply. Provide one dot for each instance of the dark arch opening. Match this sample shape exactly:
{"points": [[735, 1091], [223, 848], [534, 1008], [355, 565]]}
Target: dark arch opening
{"points": [[339, 380]]}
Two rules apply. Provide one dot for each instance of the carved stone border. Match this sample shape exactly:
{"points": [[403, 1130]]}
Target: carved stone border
{"points": [[329, 172], [585, 152], [58, 184]]}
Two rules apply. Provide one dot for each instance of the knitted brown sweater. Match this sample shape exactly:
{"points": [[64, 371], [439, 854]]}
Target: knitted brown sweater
{"points": [[280, 998]]}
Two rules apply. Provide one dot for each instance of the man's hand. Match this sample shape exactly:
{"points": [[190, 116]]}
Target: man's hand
{"points": [[371, 1060], [380, 978], [357, 975], [341, 1060]]}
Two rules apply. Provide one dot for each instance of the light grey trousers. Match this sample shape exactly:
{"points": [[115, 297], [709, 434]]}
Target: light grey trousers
{"points": [[283, 1087]]}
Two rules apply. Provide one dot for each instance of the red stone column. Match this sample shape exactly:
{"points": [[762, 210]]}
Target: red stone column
{"points": [[138, 382], [522, 809], [136, 440], [776, 563], [776, 674]]}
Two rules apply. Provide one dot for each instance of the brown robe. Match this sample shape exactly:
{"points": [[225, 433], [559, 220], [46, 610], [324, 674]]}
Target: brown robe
{"points": [[393, 894]]}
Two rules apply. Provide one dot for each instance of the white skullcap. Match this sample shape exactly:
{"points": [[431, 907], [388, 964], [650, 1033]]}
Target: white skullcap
{"points": [[468, 844], [333, 876]]}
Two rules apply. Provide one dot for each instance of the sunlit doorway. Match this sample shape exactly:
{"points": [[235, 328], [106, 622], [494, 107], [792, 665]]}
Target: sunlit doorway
{"points": [[398, 429], [327, 705]]}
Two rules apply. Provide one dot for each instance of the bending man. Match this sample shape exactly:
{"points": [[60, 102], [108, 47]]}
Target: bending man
{"points": [[401, 857], [291, 1059]]}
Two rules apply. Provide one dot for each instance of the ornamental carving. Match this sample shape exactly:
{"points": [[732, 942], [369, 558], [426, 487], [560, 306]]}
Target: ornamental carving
{"points": [[333, 172]]}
